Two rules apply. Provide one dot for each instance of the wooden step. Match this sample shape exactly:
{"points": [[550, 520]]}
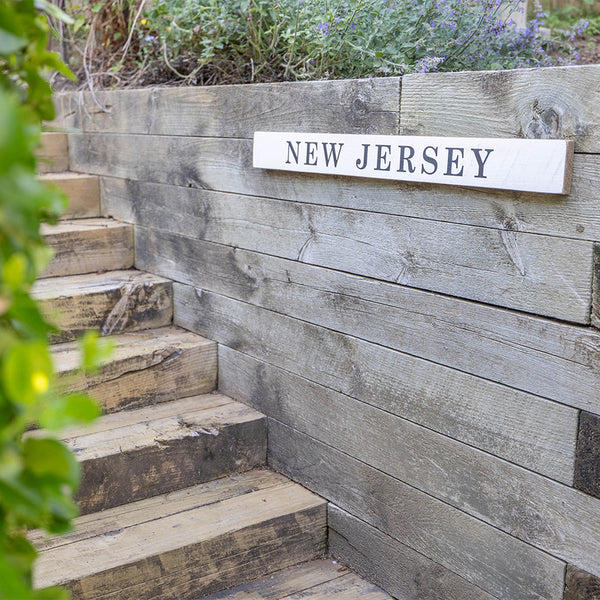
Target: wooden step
{"points": [[83, 192], [147, 367], [315, 580], [112, 302], [88, 246], [136, 454], [189, 543], [53, 154]]}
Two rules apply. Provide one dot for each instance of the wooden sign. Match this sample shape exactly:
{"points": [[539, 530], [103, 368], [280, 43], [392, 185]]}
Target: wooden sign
{"points": [[542, 166]]}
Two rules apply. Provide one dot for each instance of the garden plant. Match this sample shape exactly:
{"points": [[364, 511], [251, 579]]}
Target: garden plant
{"points": [[198, 42], [38, 474]]}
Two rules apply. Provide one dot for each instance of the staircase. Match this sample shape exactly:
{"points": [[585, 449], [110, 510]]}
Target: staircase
{"points": [[176, 500]]}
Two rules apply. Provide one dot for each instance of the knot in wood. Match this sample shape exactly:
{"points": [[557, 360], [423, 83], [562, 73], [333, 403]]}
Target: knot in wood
{"points": [[545, 124]]}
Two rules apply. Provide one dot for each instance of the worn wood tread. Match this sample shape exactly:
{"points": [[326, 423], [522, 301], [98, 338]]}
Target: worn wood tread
{"points": [[112, 302], [53, 153], [188, 543], [135, 454], [82, 190], [146, 367], [317, 580], [88, 245]]}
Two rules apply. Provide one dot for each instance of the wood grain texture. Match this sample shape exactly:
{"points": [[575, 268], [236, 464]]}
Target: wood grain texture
{"points": [[534, 273], [544, 357], [405, 573], [580, 585], [83, 192], [351, 106], [483, 418], [573, 216], [196, 550], [170, 446], [96, 524], [283, 583], [113, 302], [317, 580], [482, 555], [551, 103], [527, 505], [87, 246], [587, 459], [53, 153], [146, 367]]}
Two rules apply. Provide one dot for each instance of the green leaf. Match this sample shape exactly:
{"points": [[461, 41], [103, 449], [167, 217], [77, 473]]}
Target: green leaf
{"points": [[27, 371], [10, 43], [11, 585], [54, 11], [79, 23], [69, 410], [50, 459], [96, 351]]}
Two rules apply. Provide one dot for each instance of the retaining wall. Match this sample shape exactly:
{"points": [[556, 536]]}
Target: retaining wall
{"points": [[426, 355]]}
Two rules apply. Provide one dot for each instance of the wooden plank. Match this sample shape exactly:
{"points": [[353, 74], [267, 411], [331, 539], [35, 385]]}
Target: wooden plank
{"points": [[350, 106], [128, 515], [392, 565], [537, 435], [541, 356], [283, 583], [541, 166], [534, 273], [485, 557], [112, 302], [194, 551], [580, 585], [83, 192], [587, 458], [53, 153], [573, 216], [529, 506], [520, 427], [198, 440], [88, 245], [551, 103], [147, 367], [304, 582]]}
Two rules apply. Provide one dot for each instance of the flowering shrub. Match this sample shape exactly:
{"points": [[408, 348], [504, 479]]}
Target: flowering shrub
{"points": [[234, 41]]}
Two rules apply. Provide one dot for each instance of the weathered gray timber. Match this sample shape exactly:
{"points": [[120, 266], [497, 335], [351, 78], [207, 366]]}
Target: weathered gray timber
{"points": [[517, 427], [423, 353], [112, 302], [83, 192], [574, 216], [517, 501], [147, 367], [534, 273], [580, 585], [353, 106], [587, 459], [560, 103], [141, 453], [498, 563], [541, 356], [393, 565]]}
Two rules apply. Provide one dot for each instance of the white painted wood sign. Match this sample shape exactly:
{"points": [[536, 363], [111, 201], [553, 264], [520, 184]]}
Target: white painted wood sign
{"points": [[542, 166]]}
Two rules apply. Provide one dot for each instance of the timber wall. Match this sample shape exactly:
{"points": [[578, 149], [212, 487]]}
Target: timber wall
{"points": [[426, 355]]}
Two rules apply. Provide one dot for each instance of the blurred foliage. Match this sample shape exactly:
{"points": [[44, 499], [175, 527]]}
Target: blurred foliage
{"points": [[38, 474]]}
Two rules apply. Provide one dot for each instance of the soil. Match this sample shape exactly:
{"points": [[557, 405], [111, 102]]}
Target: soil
{"points": [[589, 50]]}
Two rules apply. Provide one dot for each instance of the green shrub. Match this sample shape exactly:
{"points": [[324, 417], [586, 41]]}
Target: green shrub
{"points": [[37, 473], [235, 41]]}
